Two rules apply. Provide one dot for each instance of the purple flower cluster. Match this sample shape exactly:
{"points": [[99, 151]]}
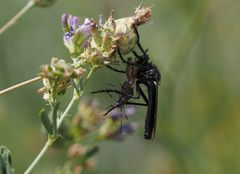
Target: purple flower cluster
{"points": [[125, 129], [117, 114], [76, 35]]}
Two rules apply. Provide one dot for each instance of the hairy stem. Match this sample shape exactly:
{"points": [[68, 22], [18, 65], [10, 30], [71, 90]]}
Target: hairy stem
{"points": [[15, 18], [64, 115], [20, 85], [39, 156], [49, 142], [89, 74]]}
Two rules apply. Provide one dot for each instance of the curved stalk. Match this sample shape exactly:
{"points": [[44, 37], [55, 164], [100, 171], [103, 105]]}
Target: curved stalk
{"points": [[59, 123], [15, 18], [39, 156], [20, 85], [49, 142]]}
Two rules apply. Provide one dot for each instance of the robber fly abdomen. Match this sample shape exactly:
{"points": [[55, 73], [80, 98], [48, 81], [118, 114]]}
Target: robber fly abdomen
{"points": [[151, 119]]}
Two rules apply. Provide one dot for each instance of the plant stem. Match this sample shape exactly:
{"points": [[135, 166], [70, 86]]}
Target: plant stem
{"points": [[12, 21], [75, 97], [39, 156], [59, 123], [64, 115], [49, 142], [20, 85], [89, 74]]}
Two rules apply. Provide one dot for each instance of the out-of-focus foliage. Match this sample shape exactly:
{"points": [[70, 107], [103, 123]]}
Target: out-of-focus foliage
{"points": [[5, 161], [195, 43]]}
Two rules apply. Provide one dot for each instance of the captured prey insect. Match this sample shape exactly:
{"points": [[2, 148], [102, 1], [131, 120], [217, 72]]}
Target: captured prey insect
{"points": [[139, 71]]}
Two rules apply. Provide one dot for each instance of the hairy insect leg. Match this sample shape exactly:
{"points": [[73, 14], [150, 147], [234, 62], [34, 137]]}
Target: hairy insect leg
{"points": [[138, 40], [135, 103], [110, 108], [135, 54], [120, 55], [107, 91], [124, 61], [140, 91]]}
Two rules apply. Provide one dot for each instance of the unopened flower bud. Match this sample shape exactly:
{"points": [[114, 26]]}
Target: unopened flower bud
{"points": [[75, 35], [76, 150], [91, 163], [101, 20], [74, 22], [57, 78], [65, 21]]}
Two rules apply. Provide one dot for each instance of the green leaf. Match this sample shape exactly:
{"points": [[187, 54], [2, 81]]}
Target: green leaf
{"points": [[81, 83], [5, 161], [91, 152], [54, 118], [45, 121], [75, 86]]}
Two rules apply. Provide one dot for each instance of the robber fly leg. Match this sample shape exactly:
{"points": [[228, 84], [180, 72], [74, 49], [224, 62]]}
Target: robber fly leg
{"points": [[107, 91], [138, 40], [140, 91], [135, 103]]}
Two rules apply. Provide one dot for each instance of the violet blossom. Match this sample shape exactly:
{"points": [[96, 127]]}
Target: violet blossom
{"points": [[76, 35]]}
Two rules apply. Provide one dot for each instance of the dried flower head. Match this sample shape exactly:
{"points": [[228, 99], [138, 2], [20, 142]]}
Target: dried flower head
{"points": [[76, 150], [125, 34], [57, 77], [97, 42]]}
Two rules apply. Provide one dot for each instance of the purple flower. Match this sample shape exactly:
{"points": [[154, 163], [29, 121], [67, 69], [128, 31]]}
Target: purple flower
{"points": [[85, 27], [76, 35], [65, 21], [128, 128], [124, 130], [68, 40], [74, 23], [119, 113]]}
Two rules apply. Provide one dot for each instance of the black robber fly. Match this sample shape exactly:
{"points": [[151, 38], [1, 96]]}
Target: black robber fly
{"points": [[139, 71]]}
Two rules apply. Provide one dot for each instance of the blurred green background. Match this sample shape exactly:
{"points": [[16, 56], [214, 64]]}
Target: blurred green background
{"points": [[195, 44]]}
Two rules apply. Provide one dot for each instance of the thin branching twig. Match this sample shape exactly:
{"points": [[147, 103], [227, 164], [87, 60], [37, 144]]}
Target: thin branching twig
{"points": [[20, 85], [15, 18], [50, 141]]}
